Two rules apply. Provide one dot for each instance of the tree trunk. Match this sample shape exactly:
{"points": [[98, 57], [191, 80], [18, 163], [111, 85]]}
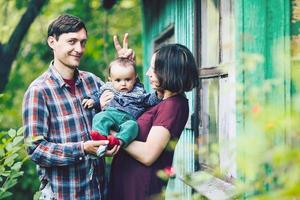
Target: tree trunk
{"points": [[9, 50]]}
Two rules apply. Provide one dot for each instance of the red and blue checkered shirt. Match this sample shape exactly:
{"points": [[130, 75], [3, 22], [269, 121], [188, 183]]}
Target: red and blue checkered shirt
{"points": [[53, 113]]}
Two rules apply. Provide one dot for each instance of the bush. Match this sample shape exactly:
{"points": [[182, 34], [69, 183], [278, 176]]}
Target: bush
{"points": [[12, 156]]}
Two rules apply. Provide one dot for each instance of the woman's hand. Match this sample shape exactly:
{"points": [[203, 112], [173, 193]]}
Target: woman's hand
{"points": [[105, 98], [113, 151], [124, 52]]}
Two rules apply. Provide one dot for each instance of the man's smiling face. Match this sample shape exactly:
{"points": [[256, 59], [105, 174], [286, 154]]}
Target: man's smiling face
{"points": [[68, 48]]}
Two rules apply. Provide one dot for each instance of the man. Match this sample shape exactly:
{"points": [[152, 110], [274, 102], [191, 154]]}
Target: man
{"points": [[57, 124]]}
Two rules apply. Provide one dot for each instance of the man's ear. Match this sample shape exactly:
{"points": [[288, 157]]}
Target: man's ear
{"points": [[51, 41]]}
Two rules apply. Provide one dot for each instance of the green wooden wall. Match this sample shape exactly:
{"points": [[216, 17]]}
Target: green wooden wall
{"points": [[157, 16], [263, 32], [295, 56]]}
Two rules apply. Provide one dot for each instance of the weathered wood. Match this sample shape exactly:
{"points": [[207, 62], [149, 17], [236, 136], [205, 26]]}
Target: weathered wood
{"points": [[158, 17], [212, 72], [227, 87], [209, 186], [224, 30]]}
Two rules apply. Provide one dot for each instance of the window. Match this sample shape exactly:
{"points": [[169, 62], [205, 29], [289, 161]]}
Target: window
{"points": [[209, 117], [166, 37], [214, 118]]}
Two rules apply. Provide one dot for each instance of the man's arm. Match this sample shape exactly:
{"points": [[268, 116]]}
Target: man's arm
{"points": [[40, 149]]}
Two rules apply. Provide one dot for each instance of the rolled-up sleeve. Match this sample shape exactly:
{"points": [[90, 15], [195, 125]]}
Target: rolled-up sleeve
{"points": [[36, 124]]}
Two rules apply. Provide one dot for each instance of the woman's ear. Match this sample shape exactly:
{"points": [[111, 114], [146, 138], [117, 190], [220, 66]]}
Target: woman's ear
{"points": [[51, 41]]}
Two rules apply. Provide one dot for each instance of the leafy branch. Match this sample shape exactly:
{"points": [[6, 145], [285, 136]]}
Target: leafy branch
{"points": [[11, 159]]}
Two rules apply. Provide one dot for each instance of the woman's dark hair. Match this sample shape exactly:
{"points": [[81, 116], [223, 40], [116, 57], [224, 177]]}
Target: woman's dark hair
{"points": [[65, 24], [175, 68]]}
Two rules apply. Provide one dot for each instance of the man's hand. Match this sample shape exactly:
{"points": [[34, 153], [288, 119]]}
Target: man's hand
{"points": [[124, 52], [105, 98], [115, 149], [91, 146]]}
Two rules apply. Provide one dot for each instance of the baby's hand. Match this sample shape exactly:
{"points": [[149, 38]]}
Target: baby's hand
{"points": [[88, 103], [105, 98], [160, 94]]}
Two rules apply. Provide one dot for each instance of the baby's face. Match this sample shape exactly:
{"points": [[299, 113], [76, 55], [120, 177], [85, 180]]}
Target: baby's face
{"points": [[123, 78]]}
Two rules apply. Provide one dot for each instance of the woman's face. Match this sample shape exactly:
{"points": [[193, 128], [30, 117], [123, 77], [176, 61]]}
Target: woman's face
{"points": [[151, 74]]}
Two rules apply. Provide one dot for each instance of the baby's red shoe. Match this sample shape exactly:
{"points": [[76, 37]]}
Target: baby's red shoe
{"points": [[95, 135], [112, 141]]}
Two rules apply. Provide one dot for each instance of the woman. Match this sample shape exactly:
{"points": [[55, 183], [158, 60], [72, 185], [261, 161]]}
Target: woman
{"points": [[172, 72]]}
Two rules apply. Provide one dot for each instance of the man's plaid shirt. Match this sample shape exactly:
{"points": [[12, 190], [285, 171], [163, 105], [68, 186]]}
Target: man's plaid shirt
{"points": [[51, 112]]}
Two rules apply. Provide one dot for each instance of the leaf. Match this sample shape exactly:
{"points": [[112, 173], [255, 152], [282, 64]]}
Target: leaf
{"points": [[2, 152], [16, 174], [17, 166], [5, 173], [12, 133], [2, 169], [9, 183], [37, 195], [28, 141], [9, 147], [4, 194], [17, 140], [15, 149], [9, 161], [20, 131]]}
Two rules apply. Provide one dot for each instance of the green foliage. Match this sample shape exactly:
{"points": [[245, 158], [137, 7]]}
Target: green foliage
{"points": [[34, 56], [11, 160], [28, 184], [269, 155], [267, 146], [268, 150]]}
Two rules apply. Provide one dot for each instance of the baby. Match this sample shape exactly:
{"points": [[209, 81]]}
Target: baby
{"points": [[129, 102]]}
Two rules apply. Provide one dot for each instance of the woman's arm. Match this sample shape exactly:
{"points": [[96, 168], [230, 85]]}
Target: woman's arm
{"points": [[147, 152]]}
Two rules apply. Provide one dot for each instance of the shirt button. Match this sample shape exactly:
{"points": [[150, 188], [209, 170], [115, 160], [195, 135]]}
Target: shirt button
{"points": [[80, 158]]}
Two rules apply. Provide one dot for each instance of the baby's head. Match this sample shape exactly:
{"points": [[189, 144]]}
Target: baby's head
{"points": [[122, 74]]}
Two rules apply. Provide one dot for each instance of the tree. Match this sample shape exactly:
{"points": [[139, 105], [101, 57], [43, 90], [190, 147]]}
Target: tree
{"points": [[9, 50]]}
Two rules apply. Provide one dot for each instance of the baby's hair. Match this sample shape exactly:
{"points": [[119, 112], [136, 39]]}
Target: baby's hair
{"points": [[123, 62]]}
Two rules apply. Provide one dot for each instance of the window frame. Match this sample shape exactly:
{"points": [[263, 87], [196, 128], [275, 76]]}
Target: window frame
{"points": [[213, 68]]}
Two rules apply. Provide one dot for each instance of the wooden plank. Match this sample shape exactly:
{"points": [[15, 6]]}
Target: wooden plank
{"points": [[158, 16], [227, 95], [212, 72], [210, 186], [210, 33]]}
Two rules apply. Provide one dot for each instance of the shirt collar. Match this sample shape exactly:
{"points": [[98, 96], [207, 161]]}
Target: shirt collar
{"points": [[58, 78]]}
